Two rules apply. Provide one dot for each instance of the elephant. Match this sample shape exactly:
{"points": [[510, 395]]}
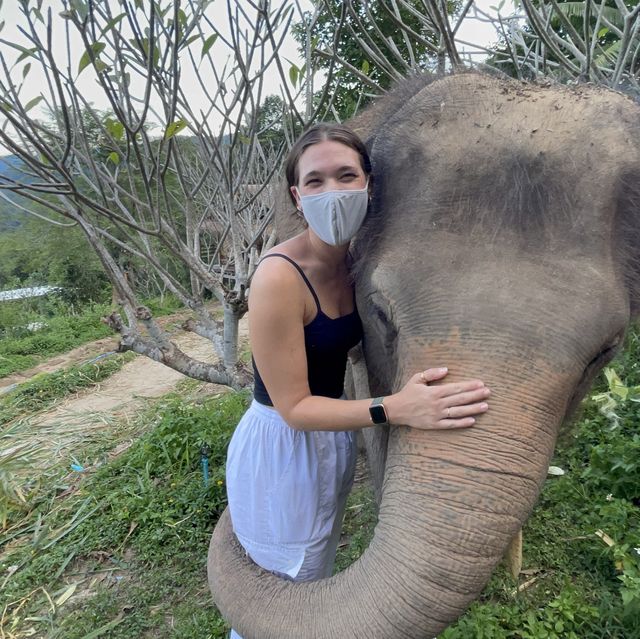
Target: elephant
{"points": [[503, 241]]}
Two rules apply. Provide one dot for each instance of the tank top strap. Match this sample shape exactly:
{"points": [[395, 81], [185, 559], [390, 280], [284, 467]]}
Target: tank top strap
{"points": [[304, 277]]}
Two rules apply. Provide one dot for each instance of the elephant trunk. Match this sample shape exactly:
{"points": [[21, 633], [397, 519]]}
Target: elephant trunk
{"points": [[452, 501]]}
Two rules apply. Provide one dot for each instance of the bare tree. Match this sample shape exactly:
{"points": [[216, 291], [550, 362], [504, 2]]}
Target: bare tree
{"points": [[196, 209], [588, 41], [591, 40], [183, 188], [427, 43]]}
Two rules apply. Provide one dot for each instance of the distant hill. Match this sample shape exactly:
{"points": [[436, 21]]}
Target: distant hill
{"points": [[10, 216]]}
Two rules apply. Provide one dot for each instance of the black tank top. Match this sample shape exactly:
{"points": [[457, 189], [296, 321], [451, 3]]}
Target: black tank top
{"points": [[327, 342]]}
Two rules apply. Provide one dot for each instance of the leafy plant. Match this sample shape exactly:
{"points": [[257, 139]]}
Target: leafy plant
{"points": [[565, 617], [615, 466], [627, 560], [617, 393]]}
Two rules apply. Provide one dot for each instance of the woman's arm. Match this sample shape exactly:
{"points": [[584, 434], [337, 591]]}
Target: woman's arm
{"points": [[276, 326]]}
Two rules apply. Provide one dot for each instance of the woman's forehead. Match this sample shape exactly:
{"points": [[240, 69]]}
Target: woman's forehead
{"points": [[326, 156]]}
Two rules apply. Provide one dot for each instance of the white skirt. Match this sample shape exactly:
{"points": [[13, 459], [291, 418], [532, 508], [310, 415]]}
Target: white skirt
{"points": [[287, 491]]}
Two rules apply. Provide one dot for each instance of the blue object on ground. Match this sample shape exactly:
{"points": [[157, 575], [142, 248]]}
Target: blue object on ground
{"points": [[204, 460], [95, 359]]}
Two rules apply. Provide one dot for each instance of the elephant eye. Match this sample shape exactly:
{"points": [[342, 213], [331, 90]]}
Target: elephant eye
{"points": [[379, 315], [380, 340], [380, 311]]}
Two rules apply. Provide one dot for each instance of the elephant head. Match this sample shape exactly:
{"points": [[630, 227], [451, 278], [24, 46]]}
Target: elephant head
{"points": [[503, 242]]}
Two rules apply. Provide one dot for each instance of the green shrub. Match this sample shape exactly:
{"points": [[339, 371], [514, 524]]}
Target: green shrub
{"points": [[614, 466], [568, 616], [626, 558]]}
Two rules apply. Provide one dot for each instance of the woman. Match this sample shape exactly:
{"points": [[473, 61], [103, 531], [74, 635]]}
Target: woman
{"points": [[291, 459]]}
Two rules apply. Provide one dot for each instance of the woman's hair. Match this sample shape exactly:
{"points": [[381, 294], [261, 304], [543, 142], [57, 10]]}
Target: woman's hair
{"points": [[319, 133]]}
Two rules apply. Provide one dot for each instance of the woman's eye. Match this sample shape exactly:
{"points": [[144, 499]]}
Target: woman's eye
{"points": [[312, 182]]}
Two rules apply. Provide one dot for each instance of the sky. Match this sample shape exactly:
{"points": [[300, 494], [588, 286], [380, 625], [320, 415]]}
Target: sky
{"points": [[473, 30], [476, 29]]}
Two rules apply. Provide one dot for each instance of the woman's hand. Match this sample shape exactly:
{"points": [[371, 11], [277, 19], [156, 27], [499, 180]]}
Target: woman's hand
{"points": [[437, 407]]}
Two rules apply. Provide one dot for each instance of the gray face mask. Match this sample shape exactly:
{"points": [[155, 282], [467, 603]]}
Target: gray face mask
{"points": [[336, 216]]}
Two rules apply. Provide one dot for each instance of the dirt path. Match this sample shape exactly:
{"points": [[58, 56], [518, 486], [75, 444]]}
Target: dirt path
{"points": [[139, 379], [61, 431], [85, 353], [76, 356]]}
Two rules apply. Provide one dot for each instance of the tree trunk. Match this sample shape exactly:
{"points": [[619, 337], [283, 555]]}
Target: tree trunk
{"points": [[232, 316]]}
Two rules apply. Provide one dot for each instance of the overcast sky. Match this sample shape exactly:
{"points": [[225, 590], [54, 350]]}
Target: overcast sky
{"points": [[473, 30]]}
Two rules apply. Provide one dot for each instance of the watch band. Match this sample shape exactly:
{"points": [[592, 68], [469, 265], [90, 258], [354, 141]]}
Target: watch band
{"points": [[377, 411]]}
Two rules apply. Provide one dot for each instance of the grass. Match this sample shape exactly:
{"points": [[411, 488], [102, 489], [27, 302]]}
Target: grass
{"points": [[63, 330], [26, 446], [20, 350], [123, 553], [360, 519], [140, 524], [45, 389]]}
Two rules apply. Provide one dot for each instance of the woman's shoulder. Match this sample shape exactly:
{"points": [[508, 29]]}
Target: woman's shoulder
{"points": [[277, 290], [294, 247], [278, 270], [289, 255]]}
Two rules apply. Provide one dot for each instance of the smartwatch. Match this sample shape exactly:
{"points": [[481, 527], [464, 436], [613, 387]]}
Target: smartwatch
{"points": [[377, 411]]}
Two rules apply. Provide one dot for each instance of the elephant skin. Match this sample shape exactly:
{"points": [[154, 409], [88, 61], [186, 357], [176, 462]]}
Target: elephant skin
{"points": [[503, 242]]}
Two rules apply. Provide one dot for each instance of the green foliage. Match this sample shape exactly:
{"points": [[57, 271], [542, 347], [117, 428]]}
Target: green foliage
{"points": [[348, 90], [38, 253], [149, 522], [607, 46], [627, 560], [91, 55], [360, 519], [610, 427], [269, 122], [163, 305], [614, 465], [567, 616], [174, 128], [207, 44]]}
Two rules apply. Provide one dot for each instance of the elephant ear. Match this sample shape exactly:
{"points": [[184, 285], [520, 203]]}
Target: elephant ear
{"points": [[289, 222], [627, 235]]}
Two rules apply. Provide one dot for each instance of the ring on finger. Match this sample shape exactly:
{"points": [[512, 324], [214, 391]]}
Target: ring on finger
{"points": [[423, 379], [448, 412]]}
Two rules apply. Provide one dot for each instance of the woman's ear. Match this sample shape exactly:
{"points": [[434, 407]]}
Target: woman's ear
{"points": [[296, 196]]}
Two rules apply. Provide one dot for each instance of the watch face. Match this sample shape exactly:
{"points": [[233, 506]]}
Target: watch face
{"points": [[378, 414]]}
